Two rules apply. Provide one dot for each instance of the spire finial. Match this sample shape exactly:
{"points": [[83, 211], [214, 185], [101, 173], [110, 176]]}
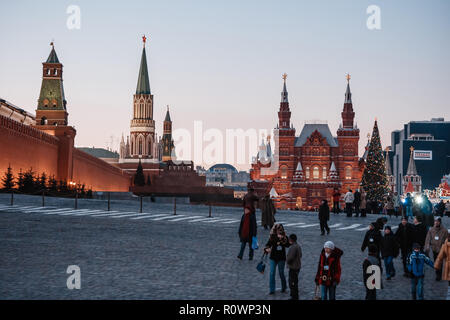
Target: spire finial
{"points": [[348, 77], [52, 44], [284, 76], [411, 149], [167, 107], [144, 39]]}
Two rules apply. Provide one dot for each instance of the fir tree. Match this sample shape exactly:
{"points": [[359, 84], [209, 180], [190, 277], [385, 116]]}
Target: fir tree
{"points": [[139, 178], [374, 179], [53, 184], [20, 186], [8, 180], [29, 184], [43, 182]]}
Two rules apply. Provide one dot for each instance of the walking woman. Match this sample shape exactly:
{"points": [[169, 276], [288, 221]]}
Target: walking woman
{"points": [[247, 230], [276, 246], [328, 273], [267, 212]]}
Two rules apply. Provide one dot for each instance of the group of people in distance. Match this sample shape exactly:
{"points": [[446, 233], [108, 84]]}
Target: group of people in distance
{"points": [[414, 241]]}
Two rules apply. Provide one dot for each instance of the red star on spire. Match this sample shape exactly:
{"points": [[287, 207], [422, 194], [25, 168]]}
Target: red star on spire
{"points": [[144, 39]]}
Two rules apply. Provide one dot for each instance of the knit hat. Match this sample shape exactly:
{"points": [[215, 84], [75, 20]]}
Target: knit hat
{"points": [[416, 245], [329, 245], [388, 227], [438, 219]]}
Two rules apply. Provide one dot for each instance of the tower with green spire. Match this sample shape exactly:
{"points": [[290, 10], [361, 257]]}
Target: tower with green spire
{"points": [[142, 131], [51, 108], [167, 142]]}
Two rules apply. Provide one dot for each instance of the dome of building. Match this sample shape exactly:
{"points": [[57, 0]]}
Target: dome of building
{"points": [[222, 167]]}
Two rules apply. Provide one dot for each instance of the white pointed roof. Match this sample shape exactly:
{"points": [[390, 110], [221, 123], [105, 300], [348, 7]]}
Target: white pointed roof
{"points": [[333, 167], [299, 167], [273, 193]]}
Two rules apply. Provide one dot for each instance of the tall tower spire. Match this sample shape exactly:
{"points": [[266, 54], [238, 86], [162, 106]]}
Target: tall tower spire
{"points": [[284, 115], [168, 144], [347, 114], [412, 171], [143, 84], [142, 131]]}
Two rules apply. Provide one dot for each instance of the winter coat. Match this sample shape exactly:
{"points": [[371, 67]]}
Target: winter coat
{"points": [[252, 228], [267, 212], [294, 256], [324, 212], [435, 238], [416, 263], [389, 246], [372, 237], [419, 234], [277, 247], [336, 196], [444, 257], [404, 235], [440, 208], [349, 198], [369, 261], [357, 198], [333, 262], [379, 225], [363, 204], [389, 204]]}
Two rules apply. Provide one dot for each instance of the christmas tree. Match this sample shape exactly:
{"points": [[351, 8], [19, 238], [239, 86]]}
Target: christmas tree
{"points": [[374, 179], [139, 178], [8, 180]]}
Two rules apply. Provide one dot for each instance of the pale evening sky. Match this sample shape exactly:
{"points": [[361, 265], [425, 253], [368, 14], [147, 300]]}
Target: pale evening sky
{"points": [[221, 62]]}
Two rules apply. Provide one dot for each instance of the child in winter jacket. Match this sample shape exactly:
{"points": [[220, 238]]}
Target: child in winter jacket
{"points": [[416, 263]]}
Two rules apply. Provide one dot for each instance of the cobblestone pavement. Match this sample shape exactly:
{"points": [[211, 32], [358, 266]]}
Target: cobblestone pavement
{"points": [[124, 254]]}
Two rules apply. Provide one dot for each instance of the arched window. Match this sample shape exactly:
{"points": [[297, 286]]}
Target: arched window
{"points": [[45, 103], [316, 173], [348, 173], [324, 173], [43, 120], [283, 172], [307, 172], [55, 72], [140, 146]]}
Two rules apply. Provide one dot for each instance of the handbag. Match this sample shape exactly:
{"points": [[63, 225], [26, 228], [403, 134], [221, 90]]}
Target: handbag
{"points": [[255, 245], [261, 265], [317, 293]]}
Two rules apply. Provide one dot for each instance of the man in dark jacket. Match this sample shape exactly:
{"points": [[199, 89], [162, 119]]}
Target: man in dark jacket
{"points": [[372, 259], [420, 231], [404, 236], [389, 251], [357, 202], [247, 230], [379, 223], [294, 263], [324, 216], [336, 198], [373, 236]]}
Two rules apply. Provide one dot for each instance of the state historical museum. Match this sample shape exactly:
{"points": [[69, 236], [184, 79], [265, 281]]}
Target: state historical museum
{"points": [[307, 168]]}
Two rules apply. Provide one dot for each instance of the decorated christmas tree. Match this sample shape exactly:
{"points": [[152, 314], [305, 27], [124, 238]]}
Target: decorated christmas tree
{"points": [[374, 179]]}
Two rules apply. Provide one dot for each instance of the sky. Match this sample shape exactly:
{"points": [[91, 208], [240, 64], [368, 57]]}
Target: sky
{"points": [[220, 62]]}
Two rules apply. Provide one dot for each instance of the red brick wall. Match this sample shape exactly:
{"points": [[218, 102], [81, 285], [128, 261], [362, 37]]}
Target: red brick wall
{"points": [[97, 174], [23, 147]]}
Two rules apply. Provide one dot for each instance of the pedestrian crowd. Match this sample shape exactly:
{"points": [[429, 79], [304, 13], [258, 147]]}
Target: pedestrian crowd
{"points": [[416, 242]]}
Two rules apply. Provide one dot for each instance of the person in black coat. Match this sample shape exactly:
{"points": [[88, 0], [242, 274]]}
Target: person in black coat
{"points": [[379, 223], [372, 259], [420, 231], [247, 230], [373, 236], [357, 202], [324, 216], [389, 251], [404, 236]]}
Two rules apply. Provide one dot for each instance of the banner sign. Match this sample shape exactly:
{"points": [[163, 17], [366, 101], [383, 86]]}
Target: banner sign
{"points": [[423, 155]]}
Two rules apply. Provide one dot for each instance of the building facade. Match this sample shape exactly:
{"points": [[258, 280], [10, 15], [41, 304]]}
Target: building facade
{"points": [[431, 143], [305, 169]]}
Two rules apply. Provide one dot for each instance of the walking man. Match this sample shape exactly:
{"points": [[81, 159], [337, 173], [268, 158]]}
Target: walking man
{"points": [[357, 202], [389, 251], [293, 261], [324, 216], [404, 236], [349, 198], [267, 212], [372, 259], [436, 237]]}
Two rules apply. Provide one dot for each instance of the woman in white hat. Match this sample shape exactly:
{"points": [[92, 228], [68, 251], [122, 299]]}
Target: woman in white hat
{"points": [[329, 270]]}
